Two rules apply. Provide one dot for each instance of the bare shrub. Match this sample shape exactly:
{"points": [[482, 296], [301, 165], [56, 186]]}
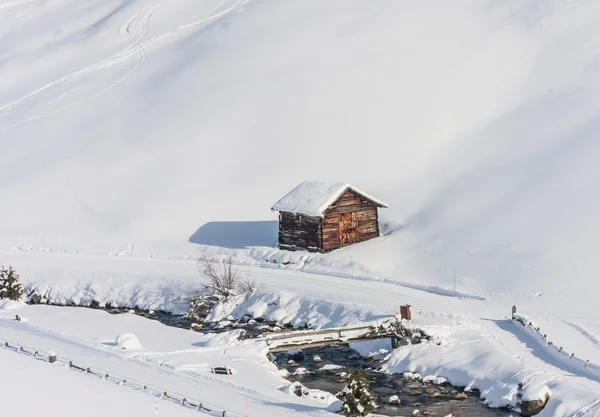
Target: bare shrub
{"points": [[223, 276], [247, 286], [225, 279]]}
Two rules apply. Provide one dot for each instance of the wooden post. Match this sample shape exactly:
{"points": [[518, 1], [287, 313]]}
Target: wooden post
{"points": [[405, 312]]}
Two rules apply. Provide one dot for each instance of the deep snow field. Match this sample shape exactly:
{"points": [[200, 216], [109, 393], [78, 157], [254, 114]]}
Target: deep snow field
{"points": [[137, 135]]}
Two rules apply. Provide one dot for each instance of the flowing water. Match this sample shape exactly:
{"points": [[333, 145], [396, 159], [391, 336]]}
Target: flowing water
{"points": [[429, 399]]}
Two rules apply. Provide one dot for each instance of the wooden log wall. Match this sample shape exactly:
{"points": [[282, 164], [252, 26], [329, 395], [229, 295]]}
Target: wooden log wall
{"points": [[366, 219], [298, 231]]}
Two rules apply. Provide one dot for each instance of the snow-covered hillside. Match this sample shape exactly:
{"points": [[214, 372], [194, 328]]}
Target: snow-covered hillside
{"points": [[137, 122]]}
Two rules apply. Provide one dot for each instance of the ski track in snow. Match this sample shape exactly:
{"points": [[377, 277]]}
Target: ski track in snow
{"points": [[6, 5], [589, 335], [139, 22]]}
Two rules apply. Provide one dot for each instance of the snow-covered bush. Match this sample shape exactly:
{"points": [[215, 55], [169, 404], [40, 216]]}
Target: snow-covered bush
{"points": [[225, 282], [9, 284], [358, 401]]}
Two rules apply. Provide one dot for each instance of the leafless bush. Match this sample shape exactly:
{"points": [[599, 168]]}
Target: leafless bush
{"points": [[225, 279], [247, 285]]}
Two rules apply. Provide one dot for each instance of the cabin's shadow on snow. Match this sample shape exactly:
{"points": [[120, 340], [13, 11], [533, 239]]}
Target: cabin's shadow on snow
{"points": [[236, 235]]}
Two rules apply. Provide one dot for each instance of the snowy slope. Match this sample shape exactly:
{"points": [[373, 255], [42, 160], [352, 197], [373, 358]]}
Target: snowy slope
{"points": [[138, 122], [34, 389]]}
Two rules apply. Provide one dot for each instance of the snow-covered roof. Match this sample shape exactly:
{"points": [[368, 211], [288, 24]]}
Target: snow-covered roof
{"points": [[314, 197]]}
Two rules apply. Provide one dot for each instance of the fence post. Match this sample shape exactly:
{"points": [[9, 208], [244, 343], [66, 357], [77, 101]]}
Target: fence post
{"points": [[51, 357]]}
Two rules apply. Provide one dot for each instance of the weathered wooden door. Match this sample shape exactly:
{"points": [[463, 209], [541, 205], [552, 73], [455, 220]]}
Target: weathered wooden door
{"points": [[348, 228]]}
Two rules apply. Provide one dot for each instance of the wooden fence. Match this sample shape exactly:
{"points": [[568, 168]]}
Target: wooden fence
{"points": [[187, 402]]}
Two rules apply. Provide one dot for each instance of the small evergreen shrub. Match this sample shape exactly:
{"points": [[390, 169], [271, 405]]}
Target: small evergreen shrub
{"points": [[358, 401], [9, 284]]}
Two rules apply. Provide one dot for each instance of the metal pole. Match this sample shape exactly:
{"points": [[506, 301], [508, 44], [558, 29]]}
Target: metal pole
{"points": [[454, 278]]}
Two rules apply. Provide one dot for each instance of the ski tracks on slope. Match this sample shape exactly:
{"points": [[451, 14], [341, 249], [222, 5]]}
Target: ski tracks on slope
{"points": [[6, 5], [589, 335], [135, 31]]}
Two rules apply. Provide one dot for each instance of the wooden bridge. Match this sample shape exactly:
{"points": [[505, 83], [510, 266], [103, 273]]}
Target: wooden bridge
{"points": [[395, 328]]}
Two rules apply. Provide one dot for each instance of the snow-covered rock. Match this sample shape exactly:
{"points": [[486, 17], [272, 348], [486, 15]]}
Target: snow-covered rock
{"points": [[394, 400], [330, 367], [128, 341], [296, 355], [300, 371], [429, 379]]}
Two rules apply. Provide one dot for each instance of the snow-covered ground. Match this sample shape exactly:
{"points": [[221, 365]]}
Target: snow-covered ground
{"points": [[136, 135], [174, 360], [481, 347], [33, 388]]}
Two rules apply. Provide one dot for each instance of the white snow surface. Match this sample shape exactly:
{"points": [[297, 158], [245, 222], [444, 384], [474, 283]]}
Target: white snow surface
{"points": [[128, 341], [480, 346], [6, 304], [35, 388], [314, 197], [163, 128], [174, 360], [150, 132]]}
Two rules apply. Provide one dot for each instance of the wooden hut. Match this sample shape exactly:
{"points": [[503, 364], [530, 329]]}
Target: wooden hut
{"points": [[320, 216]]}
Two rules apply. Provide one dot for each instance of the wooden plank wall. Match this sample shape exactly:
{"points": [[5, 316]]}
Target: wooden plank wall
{"points": [[367, 219], [298, 231]]}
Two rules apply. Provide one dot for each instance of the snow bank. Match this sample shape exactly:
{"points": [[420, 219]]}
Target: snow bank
{"points": [[94, 284], [287, 308], [128, 341], [473, 361]]}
